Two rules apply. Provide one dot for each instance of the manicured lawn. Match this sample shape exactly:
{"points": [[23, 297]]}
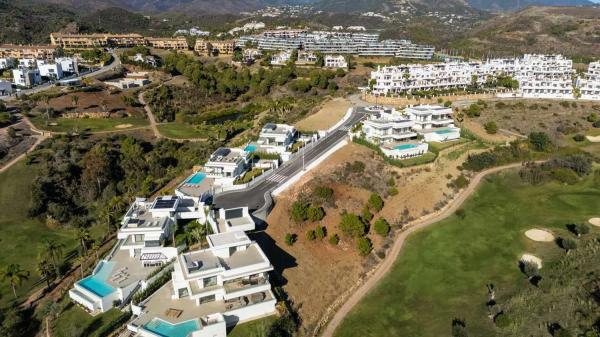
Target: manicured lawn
{"points": [[180, 131], [424, 159], [442, 271], [89, 124], [75, 322], [257, 328], [21, 236]]}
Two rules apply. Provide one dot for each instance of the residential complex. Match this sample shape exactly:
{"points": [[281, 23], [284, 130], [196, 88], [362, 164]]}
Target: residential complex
{"points": [[337, 61], [76, 41], [274, 138], [40, 52], [589, 83], [214, 47], [175, 43], [539, 76], [335, 42]]}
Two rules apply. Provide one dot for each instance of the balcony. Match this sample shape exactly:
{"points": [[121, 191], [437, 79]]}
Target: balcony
{"points": [[244, 284]]}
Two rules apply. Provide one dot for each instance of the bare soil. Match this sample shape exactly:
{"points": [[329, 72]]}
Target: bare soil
{"points": [[92, 102], [316, 274], [329, 114]]}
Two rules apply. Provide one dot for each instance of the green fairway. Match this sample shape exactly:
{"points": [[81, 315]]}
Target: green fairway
{"points": [[89, 124], [442, 271], [75, 322], [180, 131], [21, 236]]}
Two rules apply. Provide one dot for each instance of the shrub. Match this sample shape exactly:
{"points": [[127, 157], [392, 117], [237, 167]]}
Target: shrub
{"points": [[461, 213], [491, 127], [366, 214], [375, 202], [323, 193], [334, 239], [351, 225], [565, 176], [593, 117], [320, 232], [299, 211], [447, 104], [459, 328], [539, 140], [579, 137], [357, 166], [311, 235], [474, 110], [502, 320], [568, 244], [393, 191], [530, 269], [579, 229], [460, 182], [562, 332], [381, 227], [596, 124], [290, 239], [364, 246], [315, 213]]}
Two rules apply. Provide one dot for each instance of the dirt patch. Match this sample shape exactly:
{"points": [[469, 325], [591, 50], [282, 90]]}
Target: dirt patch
{"points": [[329, 114], [123, 126], [316, 274], [480, 132], [91, 103], [594, 222], [532, 259], [539, 235]]}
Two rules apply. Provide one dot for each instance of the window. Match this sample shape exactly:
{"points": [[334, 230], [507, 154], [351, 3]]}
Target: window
{"points": [[207, 299], [210, 281], [183, 292]]}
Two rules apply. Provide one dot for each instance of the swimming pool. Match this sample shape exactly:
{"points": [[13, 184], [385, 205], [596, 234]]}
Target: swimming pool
{"points": [[96, 283], [405, 147], [166, 329], [196, 178], [250, 148], [443, 131]]}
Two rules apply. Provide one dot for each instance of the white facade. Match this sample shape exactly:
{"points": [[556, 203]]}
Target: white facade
{"points": [[228, 163], [68, 64], [338, 61], [433, 122], [27, 63], [281, 58], [388, 125], [25, 77], [7, 63], [589, 84], [51, 71], [274, 138]]}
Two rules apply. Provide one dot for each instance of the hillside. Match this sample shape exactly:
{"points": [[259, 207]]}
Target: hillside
{"points": [[388, 6], [517, 4], [572, 31]]}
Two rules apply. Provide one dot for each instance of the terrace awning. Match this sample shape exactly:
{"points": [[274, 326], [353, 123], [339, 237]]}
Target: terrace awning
{"points": [[152, 257]]}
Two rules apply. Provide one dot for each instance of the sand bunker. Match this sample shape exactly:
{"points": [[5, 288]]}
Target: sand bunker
{"points": [[594, 222], [593, 139], [539, 235], [532, 259], [123, 126]]}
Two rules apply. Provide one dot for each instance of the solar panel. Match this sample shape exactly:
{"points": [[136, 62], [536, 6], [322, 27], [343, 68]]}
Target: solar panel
{"points": [[234, 213]]}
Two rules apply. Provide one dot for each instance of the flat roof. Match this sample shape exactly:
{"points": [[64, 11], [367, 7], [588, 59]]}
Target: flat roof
{"points": [[227, 155], [228, 239]]}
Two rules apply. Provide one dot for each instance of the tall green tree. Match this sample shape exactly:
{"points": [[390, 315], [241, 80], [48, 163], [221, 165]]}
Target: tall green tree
{"points": [[14, 275], [55, 252]]}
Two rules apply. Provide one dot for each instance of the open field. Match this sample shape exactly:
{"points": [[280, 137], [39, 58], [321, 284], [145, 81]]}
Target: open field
{"points": [[329, 114], [75, 322], [257, 328], [88, 124], [442, 271], [316, 274], [179, 131]]}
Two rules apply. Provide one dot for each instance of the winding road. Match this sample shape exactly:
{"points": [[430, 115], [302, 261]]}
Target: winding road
{"points": [[385, 266]]}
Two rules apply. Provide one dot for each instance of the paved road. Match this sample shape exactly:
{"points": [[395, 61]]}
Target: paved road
{"points": [[253, 197], [390, 258]]}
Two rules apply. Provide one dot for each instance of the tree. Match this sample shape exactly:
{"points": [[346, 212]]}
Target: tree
{"points": [[290, 239], [351, 225], [55, 251], [74, 100], [80, 260], [579, 229], [83, 236], [323, 193], [539, 140], [299, 211], [44, 269], [375, 202], [366, 214], [502, 320], [310, 235], [315, 213], [382, 227], [568, 244], [364, 246], [490, 127], [96, 245], [334, 239], [14, 275]]}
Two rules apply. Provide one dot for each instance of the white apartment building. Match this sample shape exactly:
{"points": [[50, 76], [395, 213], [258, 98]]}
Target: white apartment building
{"points": [[388, 125], [229, 280], [589, 84], [27, 63], [226, 164], [7, 62], [139, 251], [337, 61], [26, 77], [68, 64], [51, 71], [281, 58], [433, 122]]}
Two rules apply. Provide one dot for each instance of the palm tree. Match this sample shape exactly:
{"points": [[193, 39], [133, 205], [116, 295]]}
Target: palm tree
{"points": [[96, 245], [55, 251], [74, 100], [80, 260], [14, 275], [83, 235], [47, 102], [44, 269]]}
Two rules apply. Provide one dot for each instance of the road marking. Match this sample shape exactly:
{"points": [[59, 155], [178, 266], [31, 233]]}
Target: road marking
{"points": [[277, 178], [344, 128]]}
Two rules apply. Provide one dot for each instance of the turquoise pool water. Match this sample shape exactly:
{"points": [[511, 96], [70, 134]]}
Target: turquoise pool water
{"points": [[250, 148], [96, 283], [166, 329], [196, 178], [443, 131], [405, 147]]}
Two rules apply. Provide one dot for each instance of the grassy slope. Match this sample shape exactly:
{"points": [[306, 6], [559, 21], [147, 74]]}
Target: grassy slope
{"points": [[74, 321], [257, 328], [442, 271], [88, 124], [180, 131], [20, 236]]}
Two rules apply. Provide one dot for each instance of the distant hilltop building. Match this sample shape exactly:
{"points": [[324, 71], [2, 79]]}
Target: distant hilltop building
{"points": [[338, 42]]}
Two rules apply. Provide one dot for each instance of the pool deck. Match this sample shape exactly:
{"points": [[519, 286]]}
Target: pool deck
{"points": [[196, 190], [134, 272]]}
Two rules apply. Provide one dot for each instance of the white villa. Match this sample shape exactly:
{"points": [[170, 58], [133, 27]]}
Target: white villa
{"points": [[388, 125], [7, 62], [52, 71], [337, 61], [434, 122], [139, 251], [281, 58], [227, 282], [26, 77], [226, 164], [274, 138]]}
